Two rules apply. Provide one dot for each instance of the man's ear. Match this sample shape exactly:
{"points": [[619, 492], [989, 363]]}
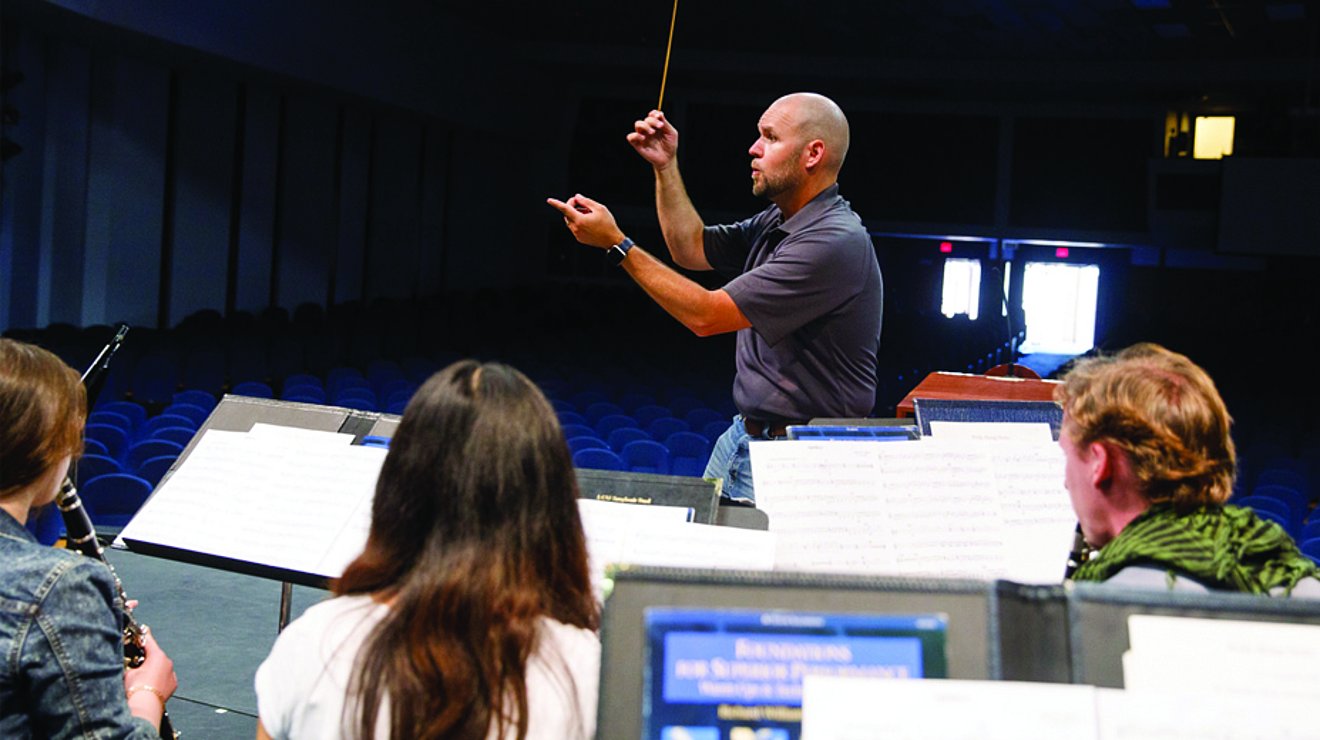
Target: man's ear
{"points": [[1103, 462], [813, 154]]}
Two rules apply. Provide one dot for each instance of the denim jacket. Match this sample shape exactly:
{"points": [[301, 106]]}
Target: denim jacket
{"points": [[63, 671]]}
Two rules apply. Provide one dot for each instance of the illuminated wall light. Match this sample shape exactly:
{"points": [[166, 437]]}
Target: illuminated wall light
{"points": [[946, 247], [1214, 137], [1061, 253]]}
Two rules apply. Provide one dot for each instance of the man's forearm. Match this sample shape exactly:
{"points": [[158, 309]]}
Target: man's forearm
{"points": [[704, 312], [679, 220]]}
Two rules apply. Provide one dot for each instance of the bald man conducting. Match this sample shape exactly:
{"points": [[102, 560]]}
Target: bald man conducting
{"points": [[804, 290]]}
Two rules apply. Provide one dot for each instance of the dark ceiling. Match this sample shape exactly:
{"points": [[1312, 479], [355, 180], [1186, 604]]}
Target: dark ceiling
{"points": [[958, 29]]}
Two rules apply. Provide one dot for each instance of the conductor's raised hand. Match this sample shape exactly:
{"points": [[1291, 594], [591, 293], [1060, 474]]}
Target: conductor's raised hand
{"points": [[655, 139], [590, 222]]}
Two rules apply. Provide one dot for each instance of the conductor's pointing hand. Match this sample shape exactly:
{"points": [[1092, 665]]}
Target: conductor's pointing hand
{"points": [[590, 222]]}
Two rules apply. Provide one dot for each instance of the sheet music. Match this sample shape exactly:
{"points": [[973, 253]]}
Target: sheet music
{"points": [[836, 708], [288, 501], [1266, 658], [971, 509], [661, 535]]}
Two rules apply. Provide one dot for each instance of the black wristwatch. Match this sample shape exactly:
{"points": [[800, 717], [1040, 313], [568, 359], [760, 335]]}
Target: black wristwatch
{"points": [[617, 252]]}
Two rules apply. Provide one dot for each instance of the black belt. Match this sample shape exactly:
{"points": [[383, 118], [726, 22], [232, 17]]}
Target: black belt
{"points": [[769, 429]]}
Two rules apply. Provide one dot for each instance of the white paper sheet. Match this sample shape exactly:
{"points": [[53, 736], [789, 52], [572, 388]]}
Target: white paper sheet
{"points": [[1141, 715], [1222, 656], [631, 534], [968, 509], [274, 499], [836, 708]]}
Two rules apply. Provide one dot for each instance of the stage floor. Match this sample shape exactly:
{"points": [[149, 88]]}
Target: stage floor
{"points": [[217, 627]]}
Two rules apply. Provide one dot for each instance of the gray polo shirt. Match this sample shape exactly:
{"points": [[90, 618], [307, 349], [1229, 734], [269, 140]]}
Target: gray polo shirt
{"points": [[811, 288]]}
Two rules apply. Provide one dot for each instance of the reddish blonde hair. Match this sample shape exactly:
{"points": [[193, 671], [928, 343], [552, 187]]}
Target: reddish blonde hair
{"points": [[1164, 413], [42, 408]]}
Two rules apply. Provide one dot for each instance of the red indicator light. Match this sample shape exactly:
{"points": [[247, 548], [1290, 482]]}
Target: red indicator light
{"points": [[946, 247], [1061, 253]]}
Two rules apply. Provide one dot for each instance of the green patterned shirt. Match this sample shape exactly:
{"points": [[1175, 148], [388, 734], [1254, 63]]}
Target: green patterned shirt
{"points": [[1226, 548]]}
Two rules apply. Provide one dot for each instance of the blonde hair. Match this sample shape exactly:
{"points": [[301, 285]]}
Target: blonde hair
{"points": [[1164, 413]]}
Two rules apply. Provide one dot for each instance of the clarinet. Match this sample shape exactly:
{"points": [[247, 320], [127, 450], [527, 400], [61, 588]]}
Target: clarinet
{"points": [[81, 536]]}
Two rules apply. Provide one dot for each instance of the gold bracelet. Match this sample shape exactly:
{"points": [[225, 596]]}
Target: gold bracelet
{"points": [[146, 687]]}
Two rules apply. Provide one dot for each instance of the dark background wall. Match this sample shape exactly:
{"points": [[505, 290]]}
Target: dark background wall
{"points": [[240, 155]]}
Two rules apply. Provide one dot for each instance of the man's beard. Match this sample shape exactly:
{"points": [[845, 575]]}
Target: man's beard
{"points": [[771, 187]]}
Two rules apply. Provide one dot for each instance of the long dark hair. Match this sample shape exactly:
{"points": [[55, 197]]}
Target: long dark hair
{"points": [[475, 537]]}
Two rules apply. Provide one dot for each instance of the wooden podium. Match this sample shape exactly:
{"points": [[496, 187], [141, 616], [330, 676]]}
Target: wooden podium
{"points": [[965, 387]]}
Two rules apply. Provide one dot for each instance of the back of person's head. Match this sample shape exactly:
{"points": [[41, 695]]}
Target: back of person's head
{"points": [[475, 537], [42, 408], [1164, 413], [817, 117]]}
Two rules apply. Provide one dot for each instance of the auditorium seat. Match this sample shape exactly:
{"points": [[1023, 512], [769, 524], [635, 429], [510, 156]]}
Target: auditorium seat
{"points": [[178, 435], [688, 453], [91, 466], [113, 419], [646, 456], [304, 394], [112, 437], [579, 430], [153, 469], [716, 429], [398, 401], [647, 414], [698, 418], [149, 427], [1310, 530], [663, 427], [94, 447], [252, 389], [1274, 516], [113, 499], [599, 410], [608, 423], [358, 393], [135, 412], [149, 448], [197, 413], [297, 380], [356, 403], [572, 417], [586, 442], [599, 459], [623, 435], [1297, 502], [196, 398], [682, 404], [1278, 476], [1265, 504], [1311, 549]]}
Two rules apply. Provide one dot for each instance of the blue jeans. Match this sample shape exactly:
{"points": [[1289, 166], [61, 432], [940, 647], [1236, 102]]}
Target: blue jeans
{"points": [[730, 461]]}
